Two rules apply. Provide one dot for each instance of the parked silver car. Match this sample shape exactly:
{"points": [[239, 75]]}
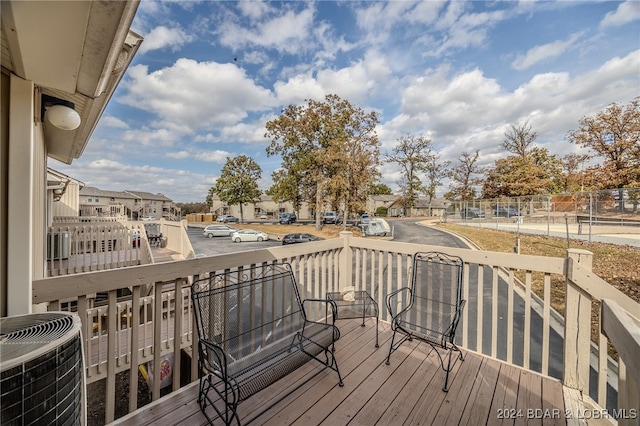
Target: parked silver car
{"points": [[218, 231]]}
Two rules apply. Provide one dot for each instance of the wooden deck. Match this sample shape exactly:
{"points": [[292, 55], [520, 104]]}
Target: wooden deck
{"points": [[406, 392]]}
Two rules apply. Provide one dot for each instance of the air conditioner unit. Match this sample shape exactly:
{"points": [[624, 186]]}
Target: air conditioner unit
{"points": [[58, 245], [42, 370]]}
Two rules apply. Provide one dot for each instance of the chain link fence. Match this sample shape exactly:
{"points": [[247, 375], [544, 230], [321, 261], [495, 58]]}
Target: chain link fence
{"points": [[589, 212]]}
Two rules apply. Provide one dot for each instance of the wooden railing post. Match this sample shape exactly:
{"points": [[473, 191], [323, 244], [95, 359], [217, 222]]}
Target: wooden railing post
{"points": [[577, 330], [346, 261], [623, 331]]}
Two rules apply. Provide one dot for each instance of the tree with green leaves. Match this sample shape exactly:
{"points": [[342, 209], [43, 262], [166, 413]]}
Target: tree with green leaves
{"points": [[238, 182], [464, 177], [332, 147], [289, 185], [613, 136], [529, 171], [412, 154], [380, 189], [520, 176], [435, 171]]}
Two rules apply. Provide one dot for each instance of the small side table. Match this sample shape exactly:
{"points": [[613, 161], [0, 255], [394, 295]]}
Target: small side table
{"points": [[364, 306]]}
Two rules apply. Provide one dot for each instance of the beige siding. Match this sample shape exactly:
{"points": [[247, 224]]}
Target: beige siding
{"points": [[39, 194], [69, 204], [20, 234], [4, 189]]}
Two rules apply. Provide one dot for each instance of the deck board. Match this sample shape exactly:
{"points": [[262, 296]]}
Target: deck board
{"points": [[406, 392]]}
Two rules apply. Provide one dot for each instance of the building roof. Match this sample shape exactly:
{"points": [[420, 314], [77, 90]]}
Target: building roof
{"points": [[148, 195], [96, 192], [385, 198], [55, 177]]}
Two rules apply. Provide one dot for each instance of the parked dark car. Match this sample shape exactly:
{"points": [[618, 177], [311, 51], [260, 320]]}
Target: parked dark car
{"points": [[299, 238], [288, 218], [505, 211], [228, 218], [471, 213]]}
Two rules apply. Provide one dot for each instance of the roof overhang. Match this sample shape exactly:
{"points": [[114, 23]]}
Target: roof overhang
{"points": [[76, 51]]}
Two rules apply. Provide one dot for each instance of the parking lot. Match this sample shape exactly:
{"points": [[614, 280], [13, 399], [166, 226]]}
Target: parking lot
{"points": [[204, 246]]}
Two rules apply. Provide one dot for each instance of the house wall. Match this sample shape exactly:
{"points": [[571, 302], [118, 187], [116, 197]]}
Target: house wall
{"points": [[4, 188], [69, 204]]}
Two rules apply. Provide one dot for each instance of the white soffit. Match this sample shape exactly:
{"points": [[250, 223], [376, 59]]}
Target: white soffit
{"points": [[50, 39]]}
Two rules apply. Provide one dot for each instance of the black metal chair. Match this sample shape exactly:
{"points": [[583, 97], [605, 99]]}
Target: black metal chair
{"points": [[430, 308]]}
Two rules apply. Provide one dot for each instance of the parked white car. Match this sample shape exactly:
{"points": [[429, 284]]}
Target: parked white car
{"points": [[249, 235]]}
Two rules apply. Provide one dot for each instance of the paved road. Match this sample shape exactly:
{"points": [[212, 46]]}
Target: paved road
{"points": [[407, 230], [203, 246]]}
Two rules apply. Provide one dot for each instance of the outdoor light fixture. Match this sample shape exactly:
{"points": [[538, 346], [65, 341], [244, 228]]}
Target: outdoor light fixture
{"points": [[60, 113]]}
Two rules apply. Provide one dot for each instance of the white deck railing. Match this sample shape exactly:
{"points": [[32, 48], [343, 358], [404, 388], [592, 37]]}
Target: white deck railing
{"points": [[76, 245], [503, 318]]}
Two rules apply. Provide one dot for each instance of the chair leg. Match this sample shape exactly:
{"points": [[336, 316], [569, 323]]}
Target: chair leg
{"points": [[393, 337], [377, 319], [449, 366], [445, 388]]}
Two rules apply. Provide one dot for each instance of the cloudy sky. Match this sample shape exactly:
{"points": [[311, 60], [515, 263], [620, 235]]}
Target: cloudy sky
{"points": [[210, 74]]}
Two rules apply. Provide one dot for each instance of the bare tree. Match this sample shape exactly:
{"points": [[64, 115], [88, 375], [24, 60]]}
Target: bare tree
{"points": [[519, 138], [462, 176]]}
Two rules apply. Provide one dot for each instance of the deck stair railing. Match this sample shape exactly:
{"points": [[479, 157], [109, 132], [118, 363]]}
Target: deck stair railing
{"points": [[501, 318]]}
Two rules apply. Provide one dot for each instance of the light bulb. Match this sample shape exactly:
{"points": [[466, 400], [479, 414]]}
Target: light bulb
{"points": [[63, 117]]}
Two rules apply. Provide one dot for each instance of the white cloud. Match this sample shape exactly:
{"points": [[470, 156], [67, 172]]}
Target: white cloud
{"points": [[162, 37], [544, 52], [468, 110], [216, 156], [113, 122], [626, 12], [253, 9], [354, 83], [287, 32], [179, 185], [195, 95], [179, 155]]}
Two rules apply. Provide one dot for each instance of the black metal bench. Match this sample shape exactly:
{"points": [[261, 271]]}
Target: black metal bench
{"points": [[254, 329], [430, 308]]}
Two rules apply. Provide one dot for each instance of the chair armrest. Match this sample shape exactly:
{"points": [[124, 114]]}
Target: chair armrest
{"points": [[326, 304], [213, 357], [394, 298]]}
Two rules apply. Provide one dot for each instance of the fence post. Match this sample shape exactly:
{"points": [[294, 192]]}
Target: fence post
{"points": [[345, 264], [577, 330]]}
